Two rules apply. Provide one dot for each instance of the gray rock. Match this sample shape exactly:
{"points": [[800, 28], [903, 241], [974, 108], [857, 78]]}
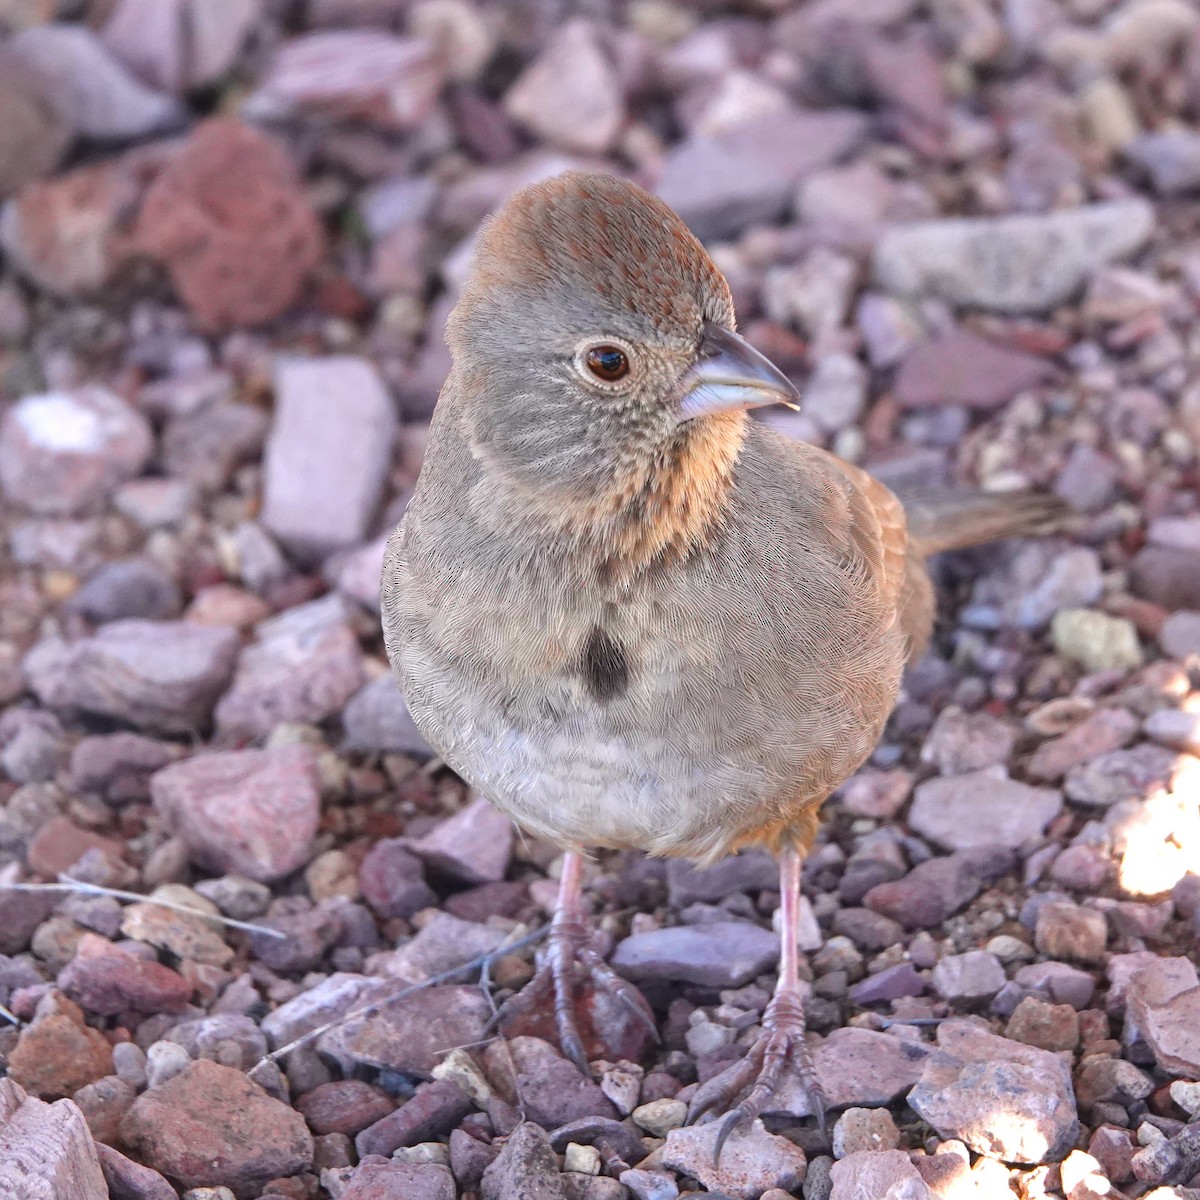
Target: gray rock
{"points": [[328, 452], [750, 871], [131, 588], [721, 185], [442, 943], [377, 721], [930, 892], [204, 447], [1170, 158], [62, 453], [1121, 775], [37, 124], [303, 667], [106, 100], [526, 1169], [1042, 578], [1164, 1001], [253, 812], [1012, 264], [334, 996], [549, 1089], [157, 675], [864, 1129], [1176, 728], [150, 37], [981, 808], [390, 82], [1180, 635], [725, 954], [649, 1185], [1002, 1098], [970, 978]]}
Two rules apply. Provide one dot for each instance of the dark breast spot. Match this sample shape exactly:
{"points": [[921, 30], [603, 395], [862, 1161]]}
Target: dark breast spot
{"points": [[604, 667]]}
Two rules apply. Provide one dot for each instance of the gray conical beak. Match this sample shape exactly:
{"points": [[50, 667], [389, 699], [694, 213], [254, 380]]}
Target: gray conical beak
{"points": [[730, 374]]}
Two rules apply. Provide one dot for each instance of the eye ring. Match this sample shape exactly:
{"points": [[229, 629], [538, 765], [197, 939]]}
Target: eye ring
{"points": [[606, 362]]}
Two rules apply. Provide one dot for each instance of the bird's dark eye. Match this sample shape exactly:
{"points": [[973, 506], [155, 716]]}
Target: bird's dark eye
{"points": [[608, 363]]}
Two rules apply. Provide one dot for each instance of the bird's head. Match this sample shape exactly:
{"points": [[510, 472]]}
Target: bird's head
{"points": [[595, 347], [592, 308]]}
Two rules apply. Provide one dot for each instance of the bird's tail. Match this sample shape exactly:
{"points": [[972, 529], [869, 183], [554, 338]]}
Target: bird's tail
{"points": [[948, 520]]}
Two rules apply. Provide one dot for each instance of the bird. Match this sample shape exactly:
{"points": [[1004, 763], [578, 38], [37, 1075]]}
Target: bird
{"points": [[629, 614]]}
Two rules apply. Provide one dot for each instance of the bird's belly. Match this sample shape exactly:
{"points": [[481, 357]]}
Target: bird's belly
{"points": [[581, 787]]}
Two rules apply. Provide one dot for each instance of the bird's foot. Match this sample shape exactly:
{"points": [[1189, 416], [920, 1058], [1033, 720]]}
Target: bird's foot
{"points": [[576, 976], [756, 1077]]}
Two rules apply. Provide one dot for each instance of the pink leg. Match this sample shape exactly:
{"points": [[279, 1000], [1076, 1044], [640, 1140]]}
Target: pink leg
{"points": [[568, 958], [782, 1037]]}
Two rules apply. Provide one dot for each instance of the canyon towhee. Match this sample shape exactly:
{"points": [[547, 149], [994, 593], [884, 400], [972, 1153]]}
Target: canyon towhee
{"points": [[626, 613]]}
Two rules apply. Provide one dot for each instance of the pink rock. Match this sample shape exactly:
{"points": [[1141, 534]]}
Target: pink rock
{"points": [[1106, 730], [253, 812], [400, 1181], [570, 95], [879, 794], [237, 256], [412, 1034], [879, 1173], [328, 453], [1003, 1099], [752, 1160], [64, 452], [1068, 931], [473, 846], [963, 368], [304, 667], [1180, 635], [857, 1068], [58, 1054], [129, 1180], [344, 1106], [982, 808], [348, 74], [961, 741], [433, 1111], [1167, 1013], [725, 954], [392, 880], [210, 1126], [114, 983], [45, 1149], [60, 844]]}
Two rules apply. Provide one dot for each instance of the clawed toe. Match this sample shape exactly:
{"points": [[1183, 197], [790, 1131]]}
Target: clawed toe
{"points": [[745, 1088], [575, 978]]}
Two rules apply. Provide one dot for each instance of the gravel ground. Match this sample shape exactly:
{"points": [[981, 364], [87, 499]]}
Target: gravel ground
{"points": [[232, 234]]}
